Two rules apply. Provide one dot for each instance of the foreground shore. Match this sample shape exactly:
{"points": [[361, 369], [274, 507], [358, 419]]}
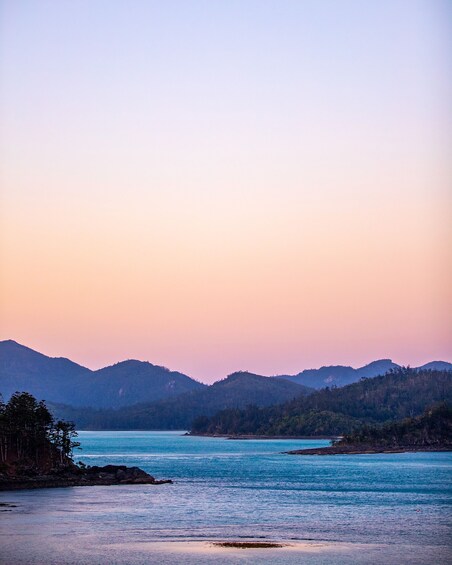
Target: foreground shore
{"points": [[366, 449], [76, 477]]}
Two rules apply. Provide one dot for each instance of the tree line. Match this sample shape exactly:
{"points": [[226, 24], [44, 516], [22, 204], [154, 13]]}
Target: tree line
{"points": [[29, 434], [432, 429], [178, 413]]}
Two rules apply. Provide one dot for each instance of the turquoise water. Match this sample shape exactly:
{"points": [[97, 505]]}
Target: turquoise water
{"points": [[387, 508]]}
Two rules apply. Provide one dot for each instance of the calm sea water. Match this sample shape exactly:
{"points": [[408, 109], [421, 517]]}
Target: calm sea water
{"points": [[367, 509]]}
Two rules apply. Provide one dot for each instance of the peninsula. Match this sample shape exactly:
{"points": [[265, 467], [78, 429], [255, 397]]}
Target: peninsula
{"points": [[430, 432], [36, 452]]}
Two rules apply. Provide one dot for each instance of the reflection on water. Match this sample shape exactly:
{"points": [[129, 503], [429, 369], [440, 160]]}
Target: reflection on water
{"points": [[388, 508]]}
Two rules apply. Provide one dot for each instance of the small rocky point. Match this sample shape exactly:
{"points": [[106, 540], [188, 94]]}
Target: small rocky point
{"points": [[75, 475], [367, 449]]}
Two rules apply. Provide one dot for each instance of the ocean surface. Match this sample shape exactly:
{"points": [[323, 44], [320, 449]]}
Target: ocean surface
{"points": [[364, 509]]}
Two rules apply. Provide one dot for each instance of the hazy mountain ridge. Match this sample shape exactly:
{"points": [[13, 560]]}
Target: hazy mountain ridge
{"points": [[341, 375], [24, 369], [60, 380], [235, 391], [138, 381]]}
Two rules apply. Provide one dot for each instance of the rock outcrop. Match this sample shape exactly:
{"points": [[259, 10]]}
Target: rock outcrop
{"points": [[74, 476]]}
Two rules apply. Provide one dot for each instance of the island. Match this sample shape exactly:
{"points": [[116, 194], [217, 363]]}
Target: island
{"points": [[37, 452], [430, 432]]}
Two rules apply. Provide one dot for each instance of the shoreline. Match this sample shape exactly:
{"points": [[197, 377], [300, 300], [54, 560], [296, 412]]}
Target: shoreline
{"points": [[252, 436], [108, 475], [367, 450]]}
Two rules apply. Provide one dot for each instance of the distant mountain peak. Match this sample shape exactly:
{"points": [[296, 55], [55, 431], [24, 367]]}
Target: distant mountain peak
{"points": [[130, 363], [331, 367], [60, 380], [242, 374], [437, 365], [11, 345], [379, 362], [10, 341], [134, 366]]}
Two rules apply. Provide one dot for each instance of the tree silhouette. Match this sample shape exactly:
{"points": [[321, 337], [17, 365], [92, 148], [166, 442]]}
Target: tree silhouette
{"points": [[29, 433]]}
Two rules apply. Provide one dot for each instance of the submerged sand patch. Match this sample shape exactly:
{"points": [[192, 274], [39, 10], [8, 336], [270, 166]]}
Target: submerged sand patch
{"points": [[249, 544], [231, 547]]}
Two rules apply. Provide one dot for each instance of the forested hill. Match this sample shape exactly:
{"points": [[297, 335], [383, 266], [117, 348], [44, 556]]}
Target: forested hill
{"points": [[433, 428], [236, 391], [401, 393], [129, 382]]}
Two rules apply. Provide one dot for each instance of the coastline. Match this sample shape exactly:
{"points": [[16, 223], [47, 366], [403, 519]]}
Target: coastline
{"points": [[367, 449], [147, 524], [77, 477], [254, 436]]}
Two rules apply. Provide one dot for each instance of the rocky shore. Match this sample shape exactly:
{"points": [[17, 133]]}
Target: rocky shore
{"points": [[75, 476], [363, 449]]}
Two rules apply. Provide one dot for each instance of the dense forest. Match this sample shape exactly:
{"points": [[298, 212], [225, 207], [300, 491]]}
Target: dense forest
{"points": [[236, 391], [432, 429], [401, 393], [36, 451], [31, 437]]}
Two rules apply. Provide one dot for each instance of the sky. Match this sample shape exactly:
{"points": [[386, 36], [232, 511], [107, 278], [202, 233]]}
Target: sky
{"points": [[216, 186]]}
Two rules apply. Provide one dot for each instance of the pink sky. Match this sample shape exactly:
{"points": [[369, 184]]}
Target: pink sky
{"points": [[265, 189]]}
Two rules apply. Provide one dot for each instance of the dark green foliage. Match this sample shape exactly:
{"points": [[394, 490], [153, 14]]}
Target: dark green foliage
{"points": [[433, 428], [401, 393], [236, 391], [29, 433], [268, 421], [313, 423]]}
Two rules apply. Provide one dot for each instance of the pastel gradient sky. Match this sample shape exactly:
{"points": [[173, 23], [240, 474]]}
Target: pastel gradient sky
{"points": [[223, 185]]}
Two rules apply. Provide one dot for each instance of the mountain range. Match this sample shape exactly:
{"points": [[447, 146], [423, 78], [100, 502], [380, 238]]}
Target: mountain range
{"points": [[128, 383], [340, 375], [60, 380], [177, 413]]}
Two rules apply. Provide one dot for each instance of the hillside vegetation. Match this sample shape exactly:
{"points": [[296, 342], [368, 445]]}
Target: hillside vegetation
{"points": [[128, 383], [236, 391], [432, 429], [36, 451], [30, 437], [401, 393]]}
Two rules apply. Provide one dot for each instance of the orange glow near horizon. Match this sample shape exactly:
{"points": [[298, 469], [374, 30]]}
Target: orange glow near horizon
{"points": [[236, 201]]}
